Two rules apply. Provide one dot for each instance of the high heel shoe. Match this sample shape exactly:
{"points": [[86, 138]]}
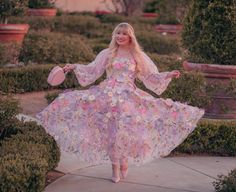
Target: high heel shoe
{"points": [[116, 178]]}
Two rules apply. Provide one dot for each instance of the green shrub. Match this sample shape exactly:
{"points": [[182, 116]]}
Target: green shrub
{"points": [[151, 6], [12, 7], [152, 42], [115, 19], [9, 53], [27, 154], [54, 48], [216, 137], [14, 145], [39, 4], [166, 62], [45, 144], [22, 173], [36, 23], [210, 32], [98, 45], [34, 78], [9, 108], [189, 88], [226, 183], [51, 96], [85, 25], [88, 26]]}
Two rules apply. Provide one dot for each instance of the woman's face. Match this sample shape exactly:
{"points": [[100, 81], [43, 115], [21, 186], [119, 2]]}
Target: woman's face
{"points": [[122, 38]]}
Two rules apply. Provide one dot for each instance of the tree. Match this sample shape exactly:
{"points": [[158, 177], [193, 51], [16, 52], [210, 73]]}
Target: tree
{"points": [[210, 31], [126, 7]]}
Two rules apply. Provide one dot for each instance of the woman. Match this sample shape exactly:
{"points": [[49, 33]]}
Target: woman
{"points": [[115, 121]]}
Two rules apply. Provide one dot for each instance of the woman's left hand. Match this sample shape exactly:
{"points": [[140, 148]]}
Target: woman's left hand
{"points": [[174, 73]]}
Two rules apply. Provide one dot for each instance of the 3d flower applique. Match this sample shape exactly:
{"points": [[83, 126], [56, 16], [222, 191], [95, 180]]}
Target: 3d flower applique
{"points": [[105, 120], [91, 97], [120, 99], [131, 67], [108, 115], [84, 97], [118, 91], [65, 130], [110, 94], [138, 118]]}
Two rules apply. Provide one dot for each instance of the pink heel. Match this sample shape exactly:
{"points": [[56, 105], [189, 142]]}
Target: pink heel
{"points": [[115, 179]]}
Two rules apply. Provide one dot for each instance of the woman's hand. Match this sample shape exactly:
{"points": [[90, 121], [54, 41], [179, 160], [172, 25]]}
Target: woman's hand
{"points": [[174, 73], [68, 67]]}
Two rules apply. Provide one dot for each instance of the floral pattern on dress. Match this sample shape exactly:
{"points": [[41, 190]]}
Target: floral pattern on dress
{"points": [[115, 119]]}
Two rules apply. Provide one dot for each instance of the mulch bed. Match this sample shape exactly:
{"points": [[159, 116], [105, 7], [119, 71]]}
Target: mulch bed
{"points": [[53, 176]]}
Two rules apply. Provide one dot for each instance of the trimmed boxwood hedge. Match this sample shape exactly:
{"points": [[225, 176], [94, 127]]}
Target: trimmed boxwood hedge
{"points": [[55, 48], [9, 108], [155, 43], [22, 173], [30, 78], [216, 137], [27, 152]]}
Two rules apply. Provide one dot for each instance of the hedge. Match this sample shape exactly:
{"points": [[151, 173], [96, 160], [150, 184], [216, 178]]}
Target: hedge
{"points": [[210, 32], [8, 109], [155, 43], [27, 153], [55, 48], [88, 26], [216, 137], [9, 53], [22, 173], [226, 183]]}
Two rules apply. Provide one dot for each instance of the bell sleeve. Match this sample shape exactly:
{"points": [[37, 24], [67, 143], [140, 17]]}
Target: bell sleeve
{"points": [[87, 74], [152, 78]]}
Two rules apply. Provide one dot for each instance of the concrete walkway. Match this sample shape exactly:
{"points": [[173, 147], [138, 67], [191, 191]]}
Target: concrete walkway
{"points": [[171, 174]]}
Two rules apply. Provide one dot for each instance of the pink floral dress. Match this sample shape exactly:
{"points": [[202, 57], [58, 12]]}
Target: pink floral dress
{"points": [[115, 119]]}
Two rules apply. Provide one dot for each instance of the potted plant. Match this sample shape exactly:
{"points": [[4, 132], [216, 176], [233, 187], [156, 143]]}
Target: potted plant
{"points": [[209, 35], [42, 8], [12, 32], [171, 14], [150, 9]]}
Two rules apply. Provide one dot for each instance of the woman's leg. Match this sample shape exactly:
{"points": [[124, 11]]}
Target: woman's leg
{"points": [[124, 167], [115, 170]]}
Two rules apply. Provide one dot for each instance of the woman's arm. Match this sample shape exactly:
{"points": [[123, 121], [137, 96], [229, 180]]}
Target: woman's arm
{"points": [[87, 74], [153, 79]]}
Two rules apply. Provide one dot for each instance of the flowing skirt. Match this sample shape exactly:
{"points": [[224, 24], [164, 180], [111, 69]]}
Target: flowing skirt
{"points": [[114, 122]]}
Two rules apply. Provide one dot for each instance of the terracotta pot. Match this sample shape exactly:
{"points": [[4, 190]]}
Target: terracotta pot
{"points": [[167, 28], [223, 105], [150, 15], [42, 12], [13, 32]]}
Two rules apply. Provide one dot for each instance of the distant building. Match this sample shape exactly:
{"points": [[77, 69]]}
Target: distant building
{"points": [[83, 5]]}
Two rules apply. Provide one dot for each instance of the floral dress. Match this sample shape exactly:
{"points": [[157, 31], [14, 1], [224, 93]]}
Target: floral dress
{"points": [[115, 119]]}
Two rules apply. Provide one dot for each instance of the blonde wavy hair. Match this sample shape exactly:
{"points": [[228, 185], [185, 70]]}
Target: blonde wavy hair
{"points": [[135, 48]]}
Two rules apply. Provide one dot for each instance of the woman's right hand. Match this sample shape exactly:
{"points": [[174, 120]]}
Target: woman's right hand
{"points": [[68, 67]]}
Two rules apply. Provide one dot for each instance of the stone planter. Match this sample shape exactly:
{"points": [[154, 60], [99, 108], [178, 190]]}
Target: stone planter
{"points": [[223, 95], [13, 32], [51, 12], [168, 28]]}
